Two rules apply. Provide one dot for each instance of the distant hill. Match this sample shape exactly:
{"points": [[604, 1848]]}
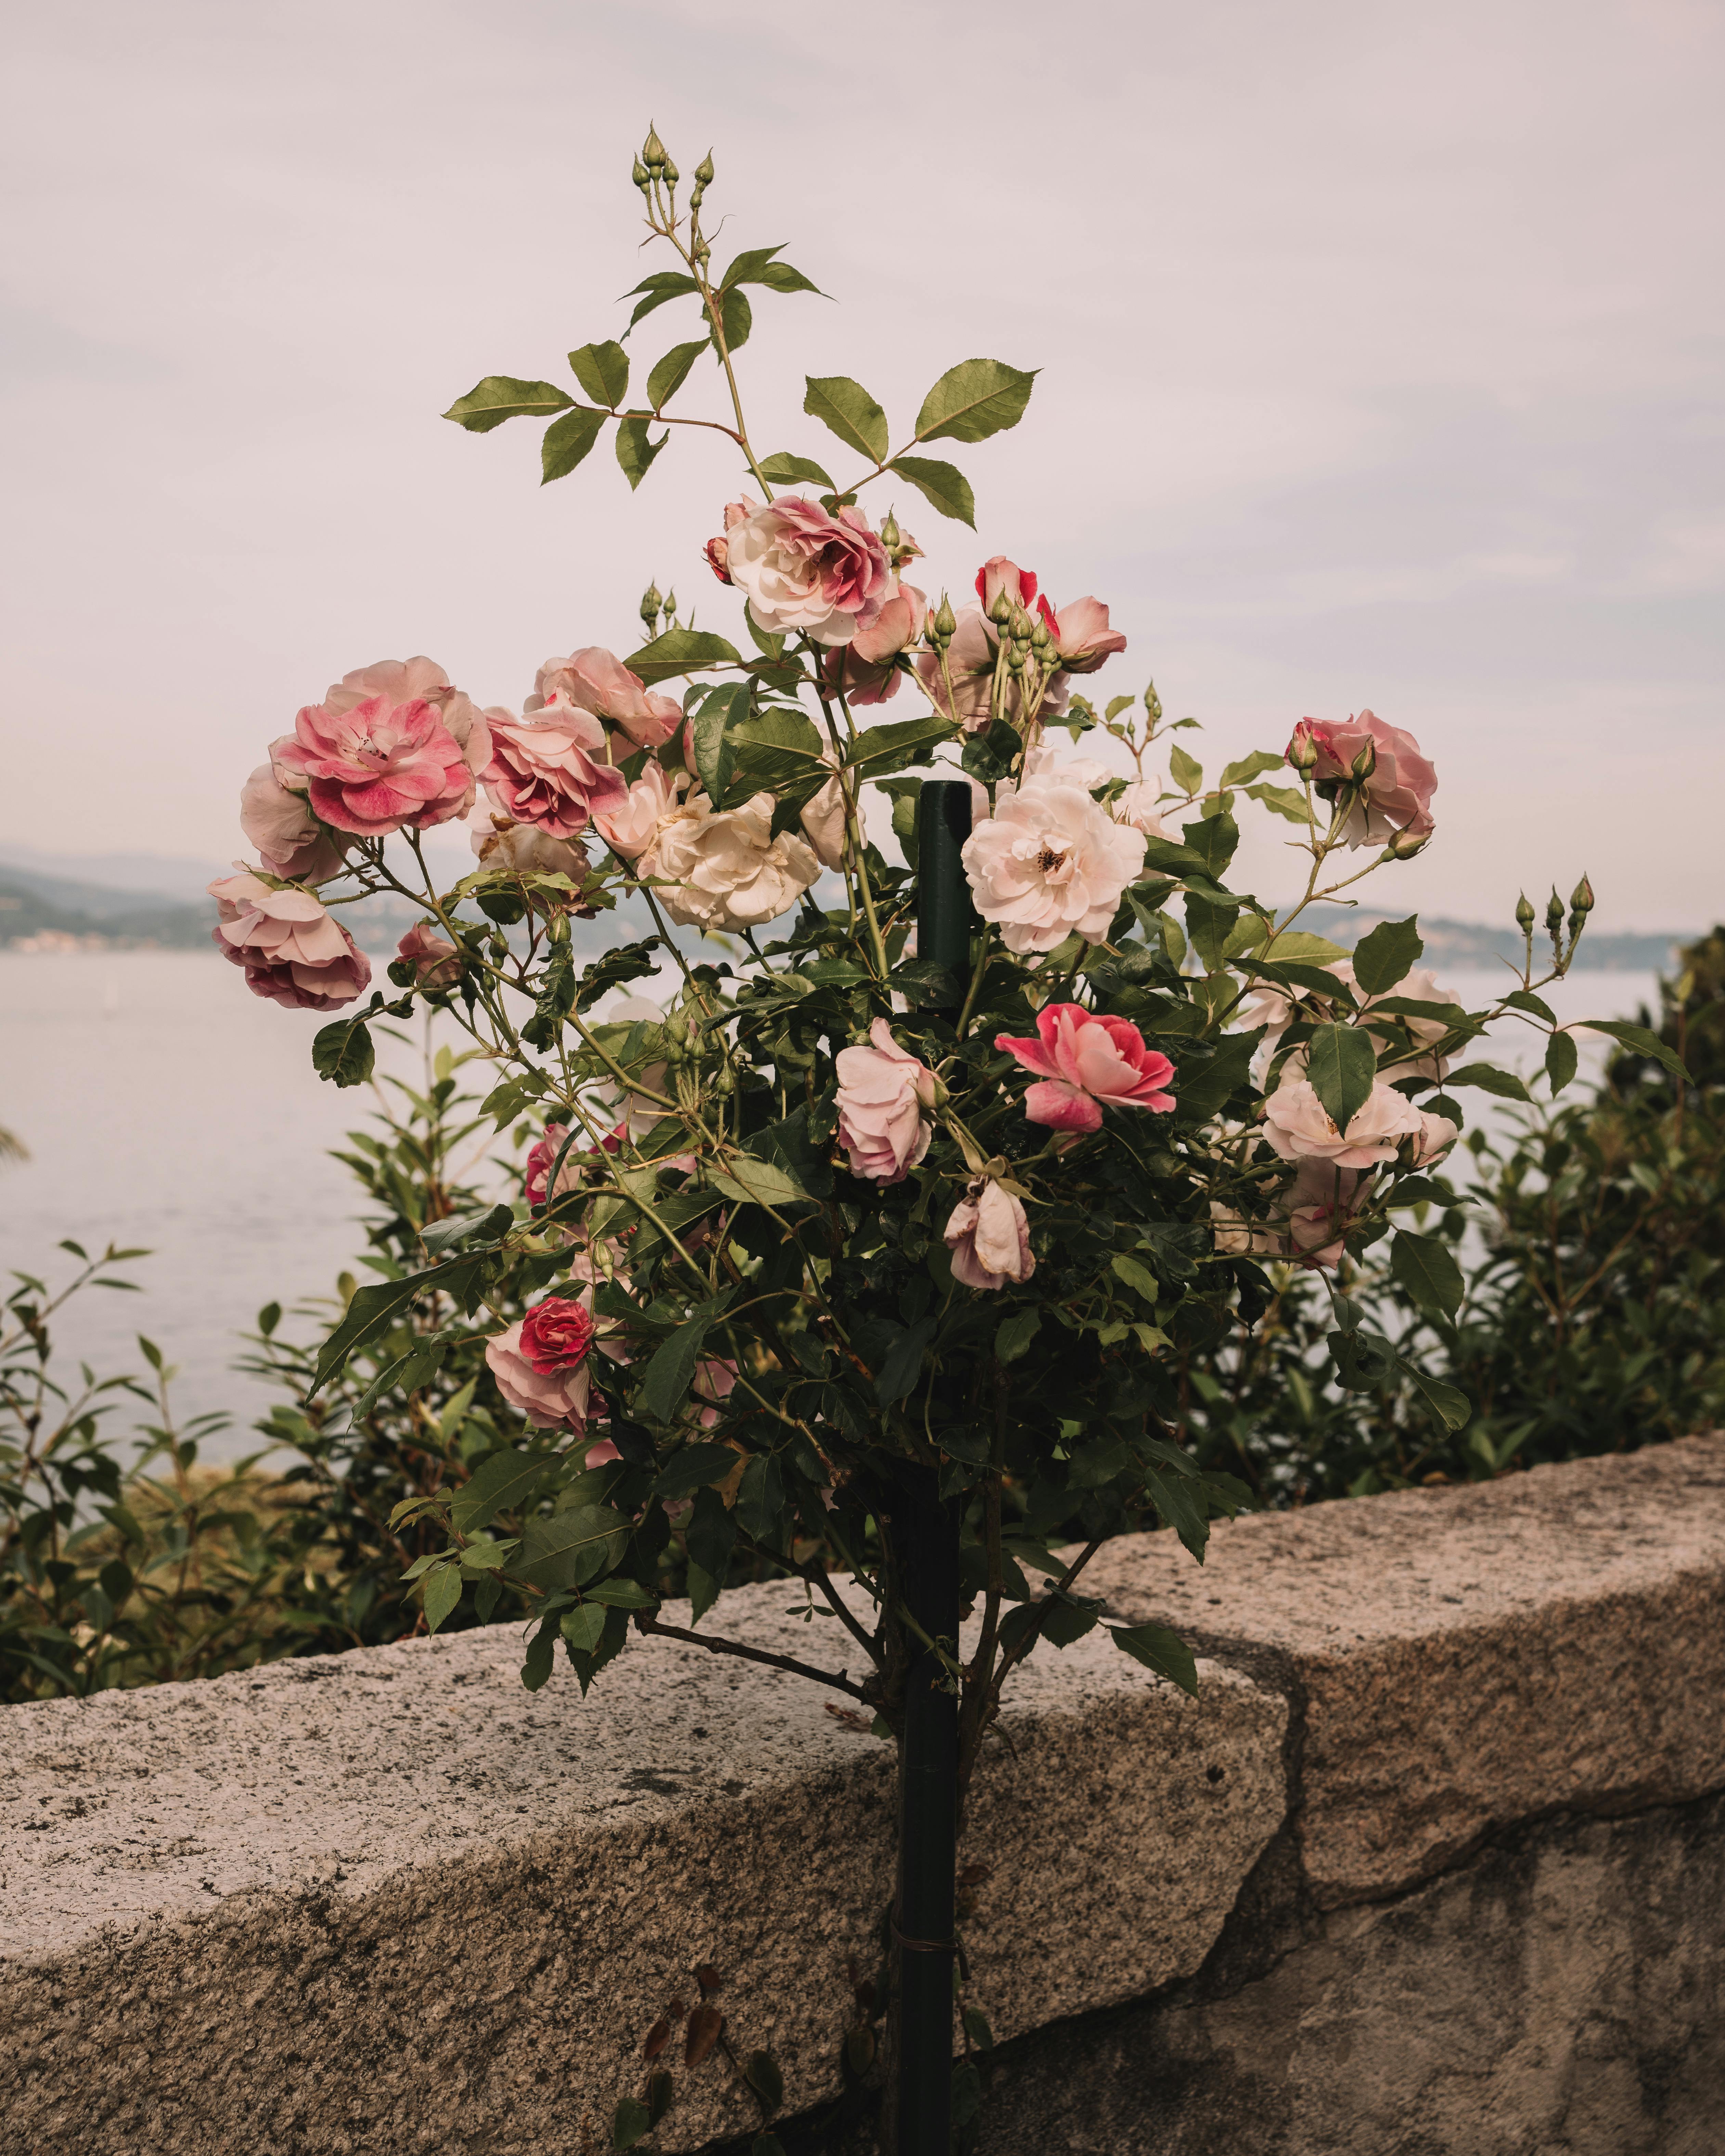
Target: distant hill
{"points": [[1468, 943], [47, 913]]}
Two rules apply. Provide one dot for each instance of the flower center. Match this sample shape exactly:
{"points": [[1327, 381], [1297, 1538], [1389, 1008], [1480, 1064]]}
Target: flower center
{"points": [[1047, 861]]}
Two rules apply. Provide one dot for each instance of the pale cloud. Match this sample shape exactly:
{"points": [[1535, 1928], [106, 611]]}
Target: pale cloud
{"points": [[1377, 369]]}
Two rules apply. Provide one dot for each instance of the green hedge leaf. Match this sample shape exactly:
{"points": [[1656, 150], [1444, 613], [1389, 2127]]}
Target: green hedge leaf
{"points": [[344, 1052], [569, 1548], [501, 1484], [1644, 1043], [1427, 1269]]}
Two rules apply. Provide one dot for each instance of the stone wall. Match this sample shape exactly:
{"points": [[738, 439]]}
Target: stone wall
{"points": [[1434, 1864]]}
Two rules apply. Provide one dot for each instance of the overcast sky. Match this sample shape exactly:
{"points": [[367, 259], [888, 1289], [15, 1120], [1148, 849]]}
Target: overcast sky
{"points": [[1380, 347]]}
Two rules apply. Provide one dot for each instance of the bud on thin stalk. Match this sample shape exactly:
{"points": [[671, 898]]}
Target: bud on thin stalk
{"points": [[704, 170], [650, 605], [654, 155], [1553, 912], [946, 621], [1581, 898], [1525, 916]]}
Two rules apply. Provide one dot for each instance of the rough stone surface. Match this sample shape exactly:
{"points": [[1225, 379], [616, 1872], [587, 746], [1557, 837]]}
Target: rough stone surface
{"points": [[1465, 1658], [390, 1899], [1562, 1995]]}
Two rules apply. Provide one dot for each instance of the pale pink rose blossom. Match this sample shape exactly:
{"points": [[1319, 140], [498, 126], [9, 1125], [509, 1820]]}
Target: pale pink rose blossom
{"points": [[823, 820], [401, 681], [800, 568], [970, 668], [718, 551], [725, 868], [1320, 1206], [1138, 806], [883, 1092], [550, 770], [292, 951], [863, 669], [291, 841], [600, 1454], [1045, 761], [1237, 1237], [1298, 1126], [435, 961], [631, 827], [1086, 1061], [989, 1237], [1049, 862], [376, 765], [1437, 1134], [1397, 792], [1081, 633], [594, 680]]}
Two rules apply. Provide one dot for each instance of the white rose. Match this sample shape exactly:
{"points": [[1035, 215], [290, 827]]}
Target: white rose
{"points": [[524, 850], [727, 869], [1045, 761], [632, 826], [1298, 1125], [1138, 806], [1049, 861]]}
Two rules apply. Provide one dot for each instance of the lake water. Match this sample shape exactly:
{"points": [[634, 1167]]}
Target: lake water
{"points": [[166, 1107]]}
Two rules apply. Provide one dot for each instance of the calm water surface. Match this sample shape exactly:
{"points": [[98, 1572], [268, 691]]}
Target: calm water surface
{"points": [[166, 1107]]}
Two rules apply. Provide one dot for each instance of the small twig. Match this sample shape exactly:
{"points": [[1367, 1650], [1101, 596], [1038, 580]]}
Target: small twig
{"points": [[838, 1681]]}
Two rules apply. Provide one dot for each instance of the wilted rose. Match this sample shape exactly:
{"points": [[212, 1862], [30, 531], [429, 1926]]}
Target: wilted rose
{"points": [[1086, 1061], [989, 1237], [594, 680], [291, 841], [801, 567], [521, 849], [550, 770], [1048, 862], [1396, 793], [718, 551], [725, 867], [882, 1094], [292, 951]]}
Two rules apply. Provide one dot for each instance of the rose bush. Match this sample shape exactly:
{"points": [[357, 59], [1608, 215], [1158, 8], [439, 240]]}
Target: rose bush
{"points": [[806, 1267]]}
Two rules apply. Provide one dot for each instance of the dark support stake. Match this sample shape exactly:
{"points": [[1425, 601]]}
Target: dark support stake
{"points": [[928, 1535]]}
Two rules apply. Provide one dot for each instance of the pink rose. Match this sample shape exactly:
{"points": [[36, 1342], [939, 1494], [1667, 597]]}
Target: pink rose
{"points": [[1397, 789], [718, 551], [1138, 806], [1437, 1134], [552, 1398], [801, 568], [631, 826], [550, 770], [291, 841], [556, 1334], [595, 680], [882, 1093], [291, 950], [376, 765], [863, 668], [998, 575], [435, 961], [401, 681], [601, 1454], [970, 668], [1298, 1125], [1320, 1206], [1048, 862], [823, 820], [541, 1157], [989, 1237], [1081, 633], [1084, 1059]]}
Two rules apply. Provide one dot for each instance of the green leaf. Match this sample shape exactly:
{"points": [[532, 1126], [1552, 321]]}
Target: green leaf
{"points": [[1562, 1058], [1296, 944], [760, 1500], [716, 715], [975, 400], [1252, 766], [758, 1182], [1525, 999], [1186, 771], [760, 2069], [712, 1536], [570, 1548], [629, 961], [375, 1308], [566, 441], [738, 319], [976, 2027], [942, 486], [672, 372], [756, 265], [441, 1590], [902, 742], [663, 285], [1644, 1043], [669, 1375], [903, 1363], [537, 1666], [1178, 1504], [783, 469], [603, 372], [630, 2123], [1284, 801], [777, 752], [343, 1052], [1137, 1277], [501, 396], [1214, 839], [1451, 1407], [1343, 1067], [495, 1221], [503, 1483], [623, 1594], [1427, 1269], [847, 409], [1160, 1649], [583, 1627], [1207, 922], [1384, 956], [1015, 1334], [1489, 1080], [695, 1467], [680, 651], [1209, 1086], [635, 452]]}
